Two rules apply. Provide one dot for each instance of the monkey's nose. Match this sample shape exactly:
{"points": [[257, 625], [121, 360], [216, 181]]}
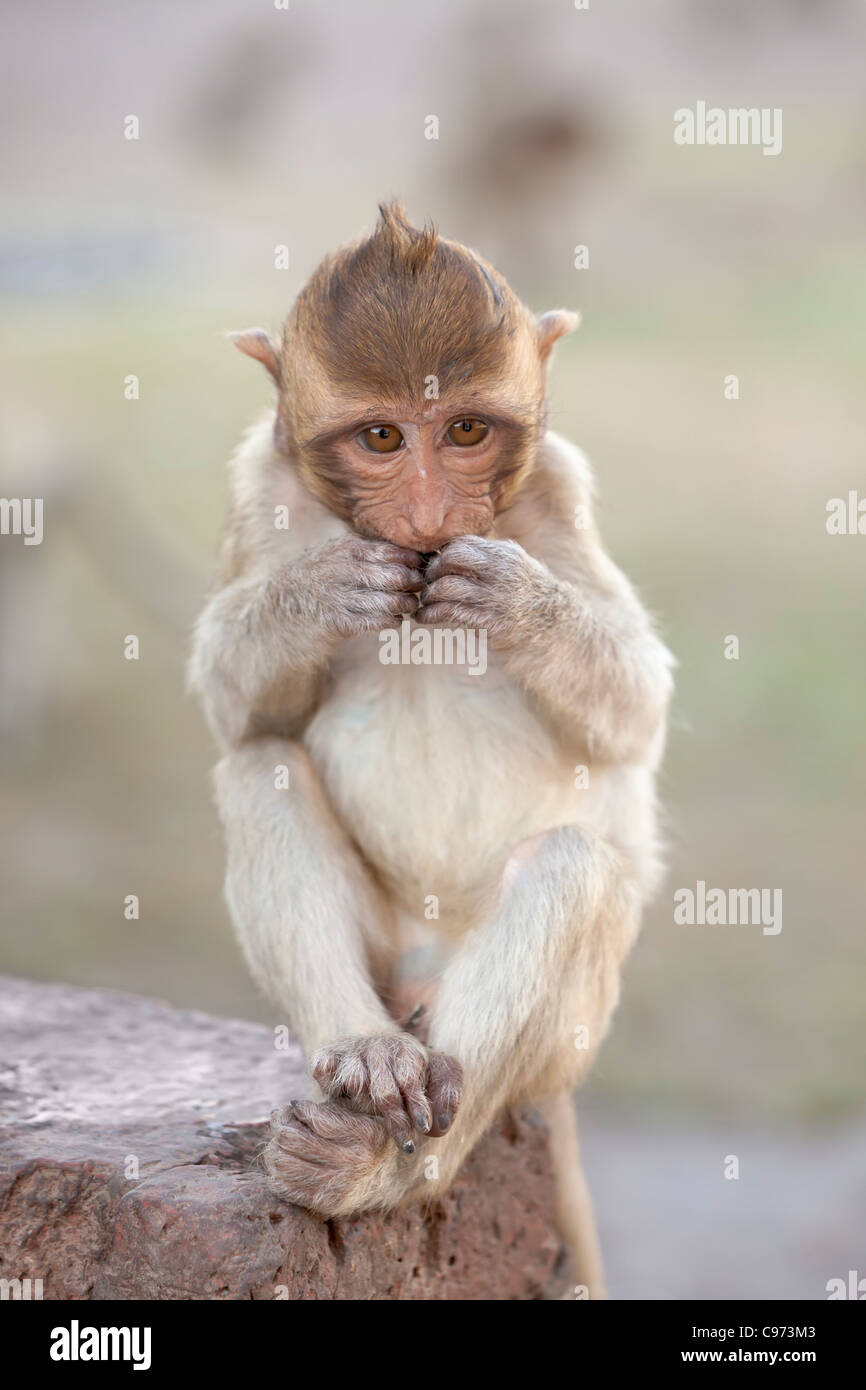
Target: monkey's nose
{"points": [[428, 542], [425, 545]]}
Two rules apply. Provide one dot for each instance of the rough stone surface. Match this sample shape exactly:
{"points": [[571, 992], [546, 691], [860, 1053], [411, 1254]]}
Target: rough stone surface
{"points": [[129, 1135]]}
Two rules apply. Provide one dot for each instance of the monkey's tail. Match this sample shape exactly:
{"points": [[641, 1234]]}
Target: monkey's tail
{"points": [[574, 1211]]}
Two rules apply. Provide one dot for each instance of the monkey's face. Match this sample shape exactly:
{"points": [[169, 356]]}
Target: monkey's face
{"points": [[412, 385], [421, 477]]}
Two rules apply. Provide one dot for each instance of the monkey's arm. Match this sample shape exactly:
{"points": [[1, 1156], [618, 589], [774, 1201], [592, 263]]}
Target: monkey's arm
{"points": [[248, 655], [592, 661], [263, 645], [582, 646], [568, 623]]}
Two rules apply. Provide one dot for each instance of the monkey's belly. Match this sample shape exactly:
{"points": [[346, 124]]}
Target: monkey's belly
{"points": [[436, 774]]}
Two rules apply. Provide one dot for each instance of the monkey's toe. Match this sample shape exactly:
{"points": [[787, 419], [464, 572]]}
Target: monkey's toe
{"points": [[323, 1156]]}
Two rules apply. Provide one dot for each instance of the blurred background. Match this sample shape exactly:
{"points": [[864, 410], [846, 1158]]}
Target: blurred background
{"points": [[262, 127]]}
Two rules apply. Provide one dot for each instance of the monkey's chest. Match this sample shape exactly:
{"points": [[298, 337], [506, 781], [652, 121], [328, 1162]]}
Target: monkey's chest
{"points": [[434, 772]]}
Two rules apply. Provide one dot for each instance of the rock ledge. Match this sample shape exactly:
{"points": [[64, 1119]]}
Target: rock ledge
{"points": [[129, 1134]]}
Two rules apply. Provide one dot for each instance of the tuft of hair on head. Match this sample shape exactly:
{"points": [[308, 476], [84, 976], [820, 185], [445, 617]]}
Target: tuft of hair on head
{"points": [[414, 246], [381, 316]]}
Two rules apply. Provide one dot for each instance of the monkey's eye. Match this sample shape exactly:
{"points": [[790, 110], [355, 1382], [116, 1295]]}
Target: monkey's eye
{"points": [[464, 432], [381, 439]]}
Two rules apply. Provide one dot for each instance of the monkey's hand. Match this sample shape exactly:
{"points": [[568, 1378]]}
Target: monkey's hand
{"points": [[395, 1078], [355, 585], [489, 584]]}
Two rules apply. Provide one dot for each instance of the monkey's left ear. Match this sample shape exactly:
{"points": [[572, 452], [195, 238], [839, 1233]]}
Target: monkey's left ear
{"points": [[255, 342], [552, 326]]}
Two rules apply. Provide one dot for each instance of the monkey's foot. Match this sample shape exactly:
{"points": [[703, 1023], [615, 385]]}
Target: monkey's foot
{"points": [[394, 1077], [332, 1160]]}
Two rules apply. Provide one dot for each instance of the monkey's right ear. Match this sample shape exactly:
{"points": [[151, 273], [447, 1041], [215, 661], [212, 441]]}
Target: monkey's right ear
{"points": [[255, 342]]}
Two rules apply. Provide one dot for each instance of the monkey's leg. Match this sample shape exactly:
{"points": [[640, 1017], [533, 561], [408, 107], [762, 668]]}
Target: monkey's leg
{"points": [[315, 931], [526, 1000], [310, 920]]}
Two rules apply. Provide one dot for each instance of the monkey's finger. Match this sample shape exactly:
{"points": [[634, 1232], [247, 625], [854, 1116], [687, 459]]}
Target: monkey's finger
{"points": [[323, 1067], [390, 577], [386, 1067], [389, 1103], [392, 600], [445, 614], [340, 1073], [409, 1069], [389, 554], [453, 586], [351, 1077], [411, 581], [388, 608], [444, 1091], [462, 556], [417, 1105], [377, 608]]}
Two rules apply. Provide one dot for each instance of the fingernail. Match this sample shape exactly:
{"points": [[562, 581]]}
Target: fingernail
{"points": [[408, 1147], [443, 1121]]}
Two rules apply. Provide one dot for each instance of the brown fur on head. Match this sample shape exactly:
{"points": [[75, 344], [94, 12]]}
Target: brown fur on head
{"points": [[403, 327]]}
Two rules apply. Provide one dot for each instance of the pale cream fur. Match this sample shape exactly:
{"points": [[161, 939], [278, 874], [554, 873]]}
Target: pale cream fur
{"points": [[410, 781]]}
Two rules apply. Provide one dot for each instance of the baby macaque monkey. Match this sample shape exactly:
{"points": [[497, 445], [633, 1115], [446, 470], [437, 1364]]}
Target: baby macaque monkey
{"points": [[495, 830]]}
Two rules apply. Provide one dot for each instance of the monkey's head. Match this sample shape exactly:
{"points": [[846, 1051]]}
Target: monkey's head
{"points": [[412, 385]]}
